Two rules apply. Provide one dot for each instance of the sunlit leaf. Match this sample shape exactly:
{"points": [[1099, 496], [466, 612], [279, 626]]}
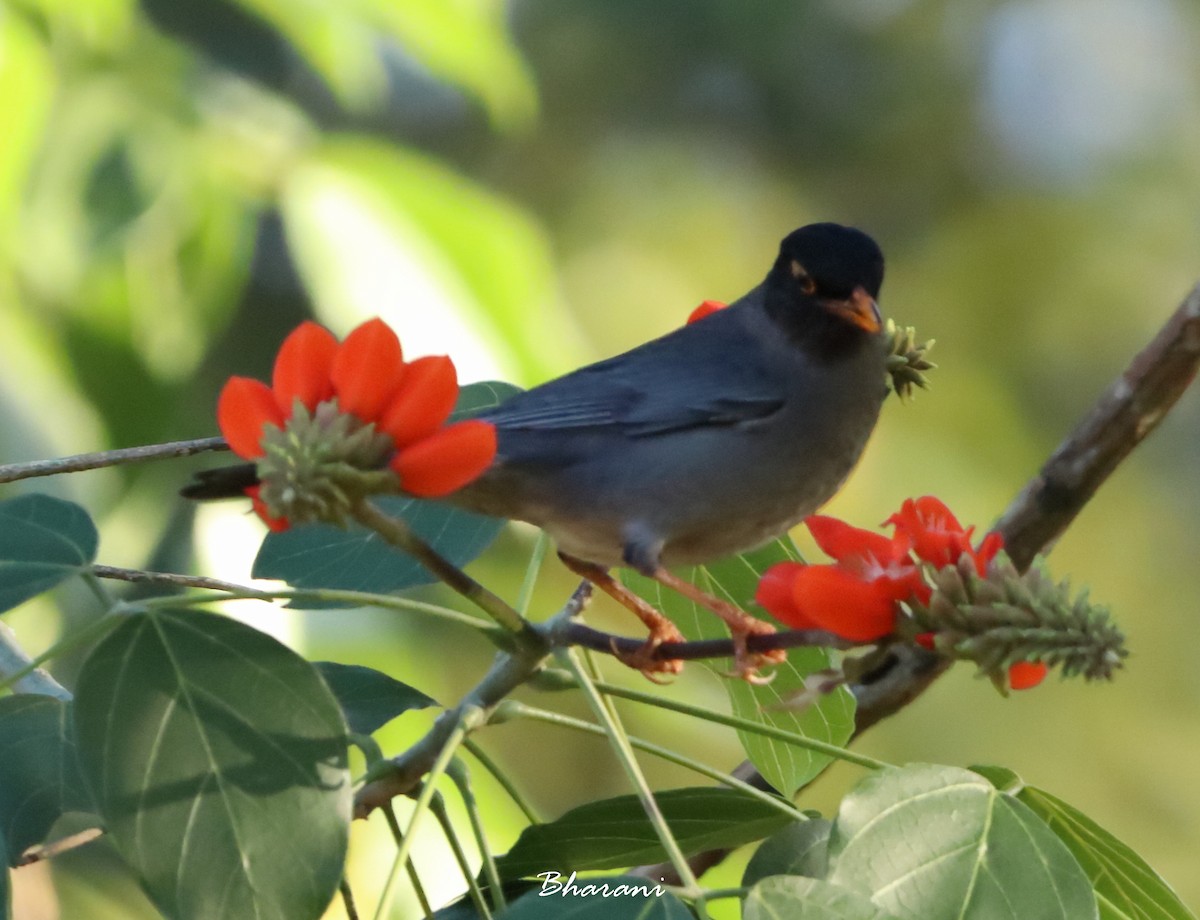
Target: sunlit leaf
{"points": [[485, 259], [217, 758], [801, 848], [603, 897], [43, 541], [930, 842], [615, 833], [356, 559], [369, 698], [785, 766], [784, 897], [335, 41], [1126, 887], [39, 775]]}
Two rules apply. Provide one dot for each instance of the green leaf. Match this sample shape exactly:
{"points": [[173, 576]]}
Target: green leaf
{"points": [[39, 774], [604, 897], [1127, 888], [217, 758], [43, 541], [615, 833], [5, 895], [801, 848], [785, 766], [356, 559], [930, 842], [369, 698], [787, 896]]}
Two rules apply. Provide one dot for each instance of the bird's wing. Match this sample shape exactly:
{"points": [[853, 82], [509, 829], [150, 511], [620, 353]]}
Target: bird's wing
{"points": [[690, 378]]}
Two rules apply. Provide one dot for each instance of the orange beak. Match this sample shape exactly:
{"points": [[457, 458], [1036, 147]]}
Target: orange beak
{"points": [[860, 309]]}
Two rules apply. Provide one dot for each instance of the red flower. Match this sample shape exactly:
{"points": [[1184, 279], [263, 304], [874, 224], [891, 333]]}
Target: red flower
{"points": [[709, 306], [855, 597], [367, 377], [1025, 675], [938, 538]]}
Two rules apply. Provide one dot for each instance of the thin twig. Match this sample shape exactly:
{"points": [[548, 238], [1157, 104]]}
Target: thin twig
{"points": [[400, 535], [181, 581], [508, 671], [11, 472]]}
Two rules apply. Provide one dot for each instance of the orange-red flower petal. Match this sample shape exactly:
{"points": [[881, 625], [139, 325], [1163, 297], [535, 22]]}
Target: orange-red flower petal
{"points": [[427, 394], [367, 370], [1024, 675], [846, 543], [988, 548], [243, 408], [446, 461], [302, 367], [837, 601], [705, 309], [774, 594], [274, 524], [935, 533]]}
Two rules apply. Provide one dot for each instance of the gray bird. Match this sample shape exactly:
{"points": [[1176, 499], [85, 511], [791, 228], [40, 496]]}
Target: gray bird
{"points": [[710, 440], [706, 442]]}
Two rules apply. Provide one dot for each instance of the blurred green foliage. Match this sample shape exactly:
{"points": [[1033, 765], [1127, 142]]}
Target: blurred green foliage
{"points": [[532, 185]]}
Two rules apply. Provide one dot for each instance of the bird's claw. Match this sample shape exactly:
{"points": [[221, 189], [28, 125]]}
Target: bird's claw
{"points": [[644, 659], [747, 663]]}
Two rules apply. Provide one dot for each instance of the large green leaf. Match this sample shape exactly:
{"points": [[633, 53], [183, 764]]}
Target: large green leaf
{"points": [[217, 758], [608, 897], [930, 842], [784, 897], [785, 766], [615, 833], [801, 848], [369, 698], [39, 775], [1126, 887], [356, 559], [43, 541]]}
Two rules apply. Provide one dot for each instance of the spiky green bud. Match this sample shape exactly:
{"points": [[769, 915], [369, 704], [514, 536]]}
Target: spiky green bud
{"points": [[322, 464]]}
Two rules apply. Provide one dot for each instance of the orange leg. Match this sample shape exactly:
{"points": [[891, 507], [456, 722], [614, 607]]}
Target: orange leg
{"points": [[661, 629], [741, 625]]}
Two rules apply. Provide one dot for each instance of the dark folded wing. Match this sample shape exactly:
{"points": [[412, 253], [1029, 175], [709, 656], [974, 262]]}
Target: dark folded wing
{"points": [[701, 375]]}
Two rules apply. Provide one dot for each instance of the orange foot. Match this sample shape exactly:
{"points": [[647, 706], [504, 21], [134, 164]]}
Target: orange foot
{"points": [[643, 659], [745, 662], [741, 626]]}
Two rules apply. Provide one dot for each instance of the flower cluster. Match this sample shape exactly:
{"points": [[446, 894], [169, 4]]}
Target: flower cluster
{"points": [[858, 596], [344, 420]]}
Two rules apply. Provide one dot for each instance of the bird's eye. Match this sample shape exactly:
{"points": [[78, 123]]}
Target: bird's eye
{"points": [[803, 278]]}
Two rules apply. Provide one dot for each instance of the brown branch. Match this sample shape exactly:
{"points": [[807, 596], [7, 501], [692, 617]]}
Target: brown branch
{"points": [[11, 472], [1132, 406], [172, 579]]}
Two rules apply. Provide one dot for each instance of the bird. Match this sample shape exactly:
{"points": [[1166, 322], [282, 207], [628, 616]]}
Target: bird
{"points": [[708, 441]]}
